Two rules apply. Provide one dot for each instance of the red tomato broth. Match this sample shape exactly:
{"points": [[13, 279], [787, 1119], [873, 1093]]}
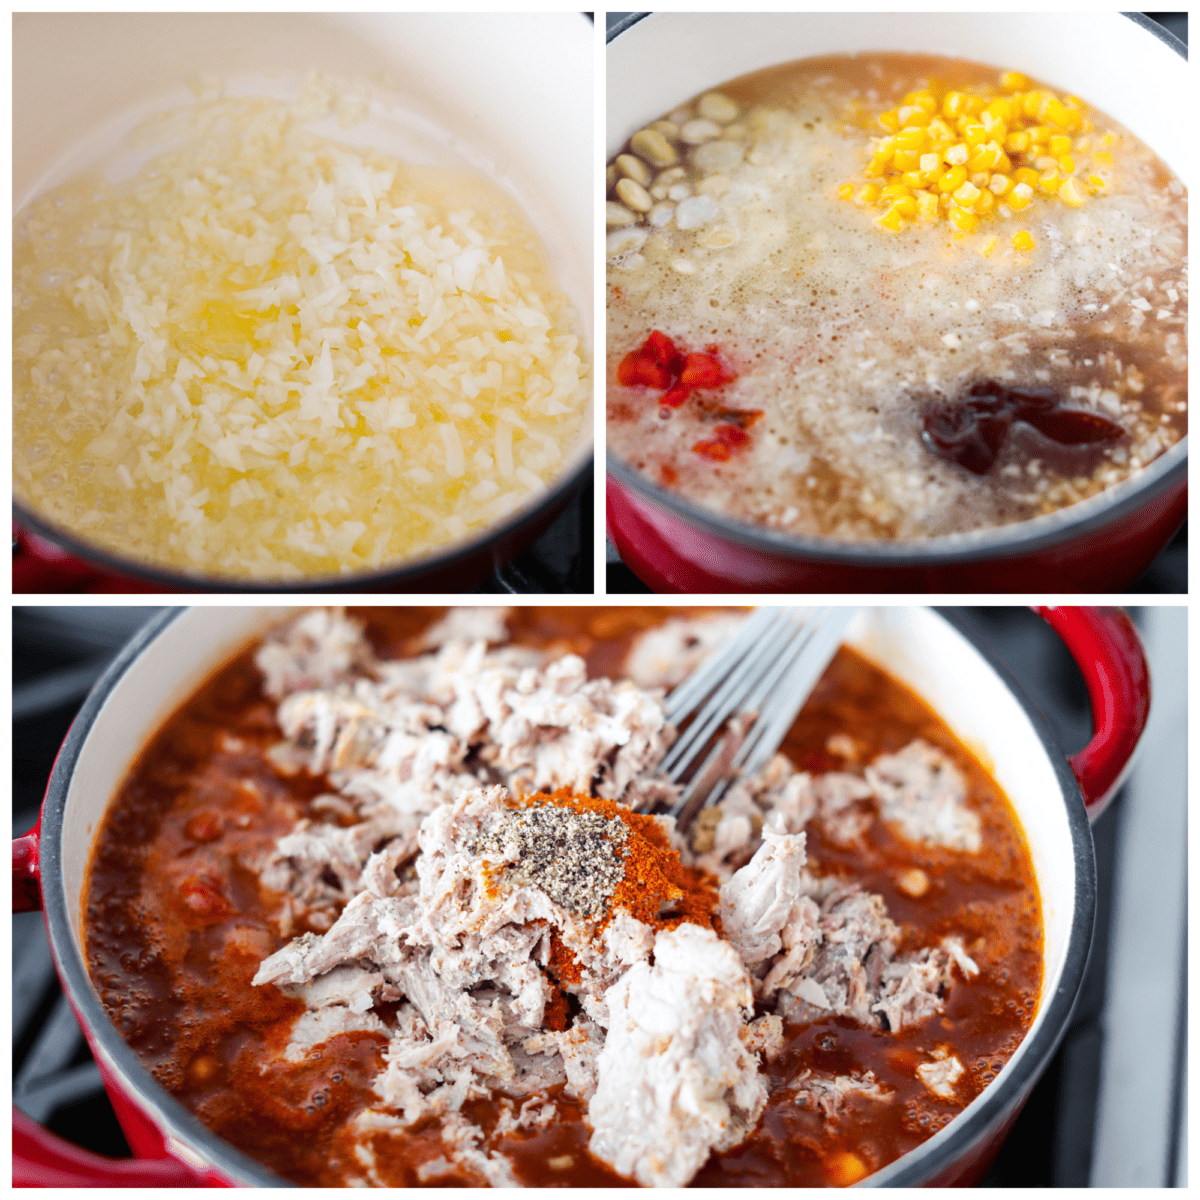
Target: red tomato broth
{"points": [[176, 980]]}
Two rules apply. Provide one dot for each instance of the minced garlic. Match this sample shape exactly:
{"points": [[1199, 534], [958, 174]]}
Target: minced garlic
{"points": [[273, 355]]}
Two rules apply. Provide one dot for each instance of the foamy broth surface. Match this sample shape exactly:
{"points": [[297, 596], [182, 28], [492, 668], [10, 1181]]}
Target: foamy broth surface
{"points": [[843, 334]]}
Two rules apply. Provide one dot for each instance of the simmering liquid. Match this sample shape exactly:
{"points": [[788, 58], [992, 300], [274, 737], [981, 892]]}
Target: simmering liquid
{"points": [[846, 344]]}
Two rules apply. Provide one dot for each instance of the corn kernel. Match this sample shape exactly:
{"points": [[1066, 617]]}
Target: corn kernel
{"points": [[1066, 164], [1059, 145], [1023, 240], [1015, 143], [957, 155], [1005, 164], [1020, 197], [1108, 140], [952, 179], [1096, 183], [912, 116], [975, 135], [954, 104], [967, 194], [1038, 135], [915, 179], [1001, 110], [984, 203], [975, 105], [931, 162], [892, 190], [911, 139], [868, 193], [999, 184], [1013, 81], [1030, 104], [938, 129], [891, 219], [980, 179], [1071, 193], [927, 205], [889, 121], [965, 221], [906, 206], [1052, 110], [906, 160], [1026, 175], [1050, 182], [846, 191], [1102, 158]]}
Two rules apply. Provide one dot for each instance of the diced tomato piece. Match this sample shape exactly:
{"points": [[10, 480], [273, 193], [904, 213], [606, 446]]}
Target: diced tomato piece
{"points": [[636, 368], [703, 371], [717, 451], [663, 351], [675, 396], [204, 899], [731, 435]]}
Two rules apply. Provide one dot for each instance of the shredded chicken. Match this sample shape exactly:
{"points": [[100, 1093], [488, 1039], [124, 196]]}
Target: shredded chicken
{"points": [[434, 917]]}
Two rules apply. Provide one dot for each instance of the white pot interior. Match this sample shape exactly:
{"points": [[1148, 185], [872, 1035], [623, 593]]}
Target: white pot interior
{"points": [[1106, 59]]}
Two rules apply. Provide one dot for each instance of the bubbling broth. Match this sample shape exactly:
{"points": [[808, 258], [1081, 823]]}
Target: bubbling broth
{"points": [[893, 297]]}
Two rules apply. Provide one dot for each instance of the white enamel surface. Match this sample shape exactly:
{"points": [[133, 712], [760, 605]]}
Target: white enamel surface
{"points": [[508, 93], [1103, 57], [929, 655], [180, 659]]}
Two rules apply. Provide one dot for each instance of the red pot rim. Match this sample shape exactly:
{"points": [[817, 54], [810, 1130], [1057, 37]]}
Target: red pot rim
{"points": [[968, 1131]]}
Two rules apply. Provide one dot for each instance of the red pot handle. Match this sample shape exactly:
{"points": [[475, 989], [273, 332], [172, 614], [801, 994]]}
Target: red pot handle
{"points": [[27, 880], [40, 1159], [1106, 647]]}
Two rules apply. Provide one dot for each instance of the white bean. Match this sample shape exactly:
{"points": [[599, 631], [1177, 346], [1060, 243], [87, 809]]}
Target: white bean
{"points": [[679, 191], [696, 211], [624, 241], [634, 195], [717, 107], [633, 168], [669, 176], [719, 237], [654, 148], [661, 214], [617, 214], [716, 156], [668, 129], [695, 132]]}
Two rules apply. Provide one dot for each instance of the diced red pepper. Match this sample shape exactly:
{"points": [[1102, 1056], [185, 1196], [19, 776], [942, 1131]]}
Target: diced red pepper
{"points": [[703, 371], [717, 451], [636, 368], [675, 396], [660, 347], [731, 435]]}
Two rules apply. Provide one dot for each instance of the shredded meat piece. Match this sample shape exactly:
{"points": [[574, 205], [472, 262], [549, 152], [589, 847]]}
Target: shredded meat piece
{"points": [[940, 1075], [513, 907], [675, 1081], [666, 656], [828, 1093], [922, 793]]}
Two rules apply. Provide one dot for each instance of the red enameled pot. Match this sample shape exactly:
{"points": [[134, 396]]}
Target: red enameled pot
{"points": [[657, 60], [1053, 797]]}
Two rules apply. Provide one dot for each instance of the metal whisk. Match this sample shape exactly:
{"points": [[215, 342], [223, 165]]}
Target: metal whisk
{"points": [[752, 689]]}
